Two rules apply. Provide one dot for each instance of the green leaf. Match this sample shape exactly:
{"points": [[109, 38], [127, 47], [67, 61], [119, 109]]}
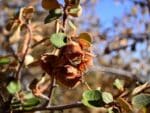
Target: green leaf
{"points": [[13, 87], [119, 84], [58, 39], [92, 98], [30, 101], [28, 95], [53, 15], [15, 103], [4, 60], [141, 100], [107, 97]]}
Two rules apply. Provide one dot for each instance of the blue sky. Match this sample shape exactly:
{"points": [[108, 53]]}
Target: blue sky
{"points": [[108, 9]]}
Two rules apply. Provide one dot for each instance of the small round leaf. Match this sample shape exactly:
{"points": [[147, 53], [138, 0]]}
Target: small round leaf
{"points": [[58, 39], [13, 87], [92, 98], [141, 100], [107, 97], [119, 84], [30, 101], [4, 61]]}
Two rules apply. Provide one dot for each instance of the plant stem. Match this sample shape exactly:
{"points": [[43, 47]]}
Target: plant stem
{"points": [[52, 86]]}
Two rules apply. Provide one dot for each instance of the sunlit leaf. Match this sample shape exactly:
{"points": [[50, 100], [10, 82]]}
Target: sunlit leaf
{"points": [[119, 84], [92, 98], [53, 15], [107, 97], [13, 87], [58, 39], [141, 100], [4, 60]]}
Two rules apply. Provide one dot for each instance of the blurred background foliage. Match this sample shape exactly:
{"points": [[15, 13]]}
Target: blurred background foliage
{"points": [[121, 48]]}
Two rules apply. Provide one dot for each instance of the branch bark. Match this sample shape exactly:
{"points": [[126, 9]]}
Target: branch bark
{"points": [[58, 107]]}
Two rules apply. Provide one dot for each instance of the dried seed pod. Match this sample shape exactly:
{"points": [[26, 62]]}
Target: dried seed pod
{"points": [[87, 61], [68, 76], [70, 48], [85, 45], [49, 63], [72, 53]]}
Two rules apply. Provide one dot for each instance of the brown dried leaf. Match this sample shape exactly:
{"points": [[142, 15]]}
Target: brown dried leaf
{"points": [[125, 105], [50, 4]]}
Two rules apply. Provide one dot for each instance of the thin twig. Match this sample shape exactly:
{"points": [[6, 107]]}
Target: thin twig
{"points": [[65, 16], [52, 86], [25, 53], [58, 107]]}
